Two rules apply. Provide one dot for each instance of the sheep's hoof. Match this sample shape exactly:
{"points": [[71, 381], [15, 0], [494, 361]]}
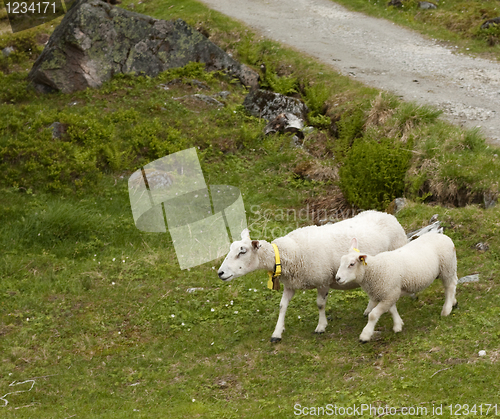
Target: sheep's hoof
{"points": [[319, 333], [363, 341], [274, 340], [455, 305]]}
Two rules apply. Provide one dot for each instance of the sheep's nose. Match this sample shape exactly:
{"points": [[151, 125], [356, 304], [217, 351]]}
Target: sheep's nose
{"points": [[220, 273], [337, 278]]}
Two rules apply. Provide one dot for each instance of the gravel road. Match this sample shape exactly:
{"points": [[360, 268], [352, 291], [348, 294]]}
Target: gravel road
{"points": [[381, 54]]}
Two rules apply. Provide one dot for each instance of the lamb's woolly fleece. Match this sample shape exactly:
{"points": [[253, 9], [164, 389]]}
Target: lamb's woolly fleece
{"points": [[409, 269]]}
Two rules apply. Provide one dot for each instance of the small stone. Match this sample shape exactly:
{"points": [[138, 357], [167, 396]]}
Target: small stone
{"points": [[426, 5], [482, 247], [490, 22], [285, 122], [482, 353], [7, 51], [469, 278], [58, 130], [489, 199]]}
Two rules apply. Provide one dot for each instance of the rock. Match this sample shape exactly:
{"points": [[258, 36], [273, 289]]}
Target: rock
{"points": [[268, 105], [489, 200], [426, 5], [469, 278], [58, 130], [7, 51], [434, 227], [210, 100], [224, 94], [395, 3], [396, 205], [482, 247], [285, 122], [95, 40], [434, 218], [490, 22]]}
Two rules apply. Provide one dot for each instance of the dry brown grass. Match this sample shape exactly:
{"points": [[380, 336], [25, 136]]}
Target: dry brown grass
{"points": [[380, 112]]}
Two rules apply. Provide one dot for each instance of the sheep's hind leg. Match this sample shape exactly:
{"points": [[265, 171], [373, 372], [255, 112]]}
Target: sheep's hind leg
{"points": [[450, 288], [373, 317], [396, 318], [280, 326], [369, 308], [321, 302]]}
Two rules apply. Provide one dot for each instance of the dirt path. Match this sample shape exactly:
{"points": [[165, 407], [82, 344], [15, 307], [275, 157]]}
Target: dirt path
{"points": [[381, 54]]}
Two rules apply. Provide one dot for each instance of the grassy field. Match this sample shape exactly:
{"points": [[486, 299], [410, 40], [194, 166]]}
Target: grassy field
{"points": [[96, 320]]}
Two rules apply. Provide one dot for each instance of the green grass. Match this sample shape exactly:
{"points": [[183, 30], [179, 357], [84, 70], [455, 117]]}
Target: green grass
{"points": [[95, 317]]}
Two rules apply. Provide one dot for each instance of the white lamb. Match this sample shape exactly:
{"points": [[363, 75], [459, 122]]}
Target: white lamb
{"points": [[310, 257], [409, 269]]}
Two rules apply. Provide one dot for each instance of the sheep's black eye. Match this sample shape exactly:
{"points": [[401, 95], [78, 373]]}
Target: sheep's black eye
{"points": [[351, 265]]}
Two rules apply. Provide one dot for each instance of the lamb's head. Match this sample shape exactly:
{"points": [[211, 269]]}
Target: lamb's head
{"points": [[351, 265], [241, 259]]}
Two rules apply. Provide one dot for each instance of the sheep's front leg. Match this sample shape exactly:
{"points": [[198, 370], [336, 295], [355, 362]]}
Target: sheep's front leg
{"points": [[373, 317], [321, 302], [280, 326]]}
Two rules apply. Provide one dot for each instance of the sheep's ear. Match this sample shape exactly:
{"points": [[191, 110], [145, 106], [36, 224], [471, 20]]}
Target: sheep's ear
{"points": [[255, 244], [362, 259], [245, 234], [354, 243]]}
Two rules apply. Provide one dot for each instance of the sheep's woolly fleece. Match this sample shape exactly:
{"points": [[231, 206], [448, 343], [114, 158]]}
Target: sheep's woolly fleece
{"points": [[310, 256]]}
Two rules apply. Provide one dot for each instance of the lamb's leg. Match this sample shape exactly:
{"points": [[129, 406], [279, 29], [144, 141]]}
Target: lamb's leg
{"points": [[396, 318], [321, 302], [280, 326], [369, 308], [373, 317], [450, 287]]}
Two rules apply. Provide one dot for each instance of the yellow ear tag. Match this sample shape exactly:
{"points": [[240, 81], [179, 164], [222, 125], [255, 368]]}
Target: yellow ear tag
{"points": [[356, 250], [363, 260]]}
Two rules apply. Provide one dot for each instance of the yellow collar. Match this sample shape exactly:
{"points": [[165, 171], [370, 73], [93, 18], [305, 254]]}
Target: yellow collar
{"points": [[273, 283]]}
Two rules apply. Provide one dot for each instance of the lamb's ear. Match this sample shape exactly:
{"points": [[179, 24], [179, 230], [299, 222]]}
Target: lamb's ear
{"points": [[362, 259], [255, 244], [354, 243], [245, 234]]}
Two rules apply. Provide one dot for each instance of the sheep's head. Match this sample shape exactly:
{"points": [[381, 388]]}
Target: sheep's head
{"points": [[351, 265], [241, 259]]}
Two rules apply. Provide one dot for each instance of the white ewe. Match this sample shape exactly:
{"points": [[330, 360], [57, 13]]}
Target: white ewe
{"points": [[310, 257], [409, 269]]}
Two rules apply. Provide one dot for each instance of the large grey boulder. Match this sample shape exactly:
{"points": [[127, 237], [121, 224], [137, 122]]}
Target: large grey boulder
{"points": [[95, 40]]}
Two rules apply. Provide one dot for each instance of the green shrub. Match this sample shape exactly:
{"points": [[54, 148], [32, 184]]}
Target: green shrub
{"points": [[350, 127], [315, 97], [373, 173], [285, 85], [153, 139]]}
